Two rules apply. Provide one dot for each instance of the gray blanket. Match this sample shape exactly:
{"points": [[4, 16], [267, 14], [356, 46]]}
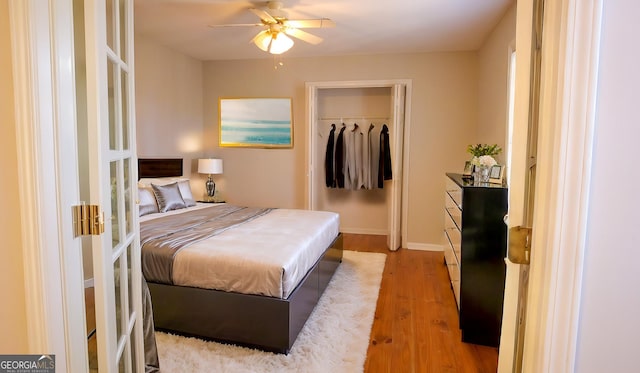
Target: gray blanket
{"points": [[162, 238]]}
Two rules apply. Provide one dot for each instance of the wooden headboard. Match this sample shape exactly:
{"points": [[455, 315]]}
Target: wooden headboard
{"points": [[159, 167]]}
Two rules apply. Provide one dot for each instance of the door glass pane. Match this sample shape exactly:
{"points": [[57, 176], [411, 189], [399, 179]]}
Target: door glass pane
{"points": [[123, 31], [124, 87], [130, 282], [134, 362], [115, 223], [112, 103], [116, 282], [121, 368], [110, 21], [128, 194]]}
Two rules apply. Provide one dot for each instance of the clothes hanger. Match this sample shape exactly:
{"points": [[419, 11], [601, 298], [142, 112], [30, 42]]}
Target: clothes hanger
{"points": [[371, 127], [355, 127]]}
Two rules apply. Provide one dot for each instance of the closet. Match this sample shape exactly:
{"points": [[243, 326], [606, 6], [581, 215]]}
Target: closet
{"points": [[366, 208]]}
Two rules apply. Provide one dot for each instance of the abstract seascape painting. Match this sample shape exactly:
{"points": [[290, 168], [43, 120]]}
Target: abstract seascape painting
{"points": [[256, 122]]}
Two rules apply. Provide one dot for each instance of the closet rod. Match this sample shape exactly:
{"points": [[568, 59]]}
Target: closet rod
{"points": [[353, 118]]}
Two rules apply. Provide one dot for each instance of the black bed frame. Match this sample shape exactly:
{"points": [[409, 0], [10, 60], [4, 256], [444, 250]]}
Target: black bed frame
{"points": [[267, 323]]}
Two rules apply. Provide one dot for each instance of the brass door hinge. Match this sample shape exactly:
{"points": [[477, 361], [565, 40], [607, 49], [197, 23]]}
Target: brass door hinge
{"points": [[519, 245], [88, 220]]}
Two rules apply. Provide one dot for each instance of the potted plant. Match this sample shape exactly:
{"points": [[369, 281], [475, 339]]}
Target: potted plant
{"points": [[483, 159]]}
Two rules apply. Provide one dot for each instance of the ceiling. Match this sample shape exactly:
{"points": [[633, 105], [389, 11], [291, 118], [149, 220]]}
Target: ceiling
{"points": [[362, 26]]}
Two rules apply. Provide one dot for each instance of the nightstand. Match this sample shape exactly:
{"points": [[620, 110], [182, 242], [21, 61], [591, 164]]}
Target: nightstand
{"points": [[212, 201]]}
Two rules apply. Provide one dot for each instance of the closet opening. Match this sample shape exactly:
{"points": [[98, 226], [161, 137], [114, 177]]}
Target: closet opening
{"points": [[360, 127]]}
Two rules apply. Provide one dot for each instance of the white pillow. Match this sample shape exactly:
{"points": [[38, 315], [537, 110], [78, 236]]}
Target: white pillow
{"points": [[148, 204], [185, 191]]}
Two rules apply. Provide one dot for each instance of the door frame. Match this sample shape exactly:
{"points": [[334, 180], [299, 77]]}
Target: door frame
{"points": [[44, 89], [398, 204], [571, 47]]}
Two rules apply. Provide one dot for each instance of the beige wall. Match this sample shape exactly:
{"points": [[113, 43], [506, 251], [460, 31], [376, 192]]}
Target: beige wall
{"points": [[169, 106], [13, 322], [443, 122], [493, 72], [458, 99]]}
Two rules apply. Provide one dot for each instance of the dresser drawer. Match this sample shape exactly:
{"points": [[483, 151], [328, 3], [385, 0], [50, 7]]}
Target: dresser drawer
{"points": [[456, 292], [449, 255], [453, 265], [454, 240], [452, 210]]}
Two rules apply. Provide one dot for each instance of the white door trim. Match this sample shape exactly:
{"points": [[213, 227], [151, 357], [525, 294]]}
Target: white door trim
{"points": [[567, 115], [42, 50], [400, 195]]}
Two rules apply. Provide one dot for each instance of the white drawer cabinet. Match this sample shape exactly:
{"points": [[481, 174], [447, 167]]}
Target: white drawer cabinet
{"points": [[452, 235]]}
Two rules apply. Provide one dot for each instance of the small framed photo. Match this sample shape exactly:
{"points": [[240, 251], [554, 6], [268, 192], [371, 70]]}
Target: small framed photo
{"points": [[468, 169], [496, 174]]}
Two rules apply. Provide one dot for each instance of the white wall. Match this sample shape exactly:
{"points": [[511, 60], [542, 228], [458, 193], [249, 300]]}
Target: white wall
{"points": [[169, 107], [493, 73], [609, 323], [13, 323]]}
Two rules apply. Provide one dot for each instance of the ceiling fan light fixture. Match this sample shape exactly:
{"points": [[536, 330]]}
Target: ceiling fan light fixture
{"points": [[262, 40], [280, 43], [274, 42]]}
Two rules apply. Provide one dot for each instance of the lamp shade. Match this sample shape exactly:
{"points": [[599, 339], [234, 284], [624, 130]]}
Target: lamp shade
{"points": [[280, 43], [210, 166], [274, 42]]}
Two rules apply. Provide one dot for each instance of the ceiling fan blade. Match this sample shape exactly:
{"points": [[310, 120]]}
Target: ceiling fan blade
{"points": [[310, 23], [303, 35], [264, 16], [237, 25]]}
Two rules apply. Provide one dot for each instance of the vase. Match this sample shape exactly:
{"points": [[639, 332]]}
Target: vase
{"points": [[481, 174]]}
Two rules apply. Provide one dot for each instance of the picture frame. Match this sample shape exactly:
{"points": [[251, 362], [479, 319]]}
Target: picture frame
{"points": [[496, 174], [257, 122], [468, 169]]}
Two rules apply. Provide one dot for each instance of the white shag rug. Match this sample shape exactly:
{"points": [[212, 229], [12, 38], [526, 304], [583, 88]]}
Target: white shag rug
{"points": [[334, 339]]}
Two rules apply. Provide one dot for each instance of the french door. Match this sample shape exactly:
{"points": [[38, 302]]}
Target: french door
{"points": [[73, 83], [108, 178]]}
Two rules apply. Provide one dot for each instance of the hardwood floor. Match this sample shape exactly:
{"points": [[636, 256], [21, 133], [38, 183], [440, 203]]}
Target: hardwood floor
{"points": [[415, 328]]}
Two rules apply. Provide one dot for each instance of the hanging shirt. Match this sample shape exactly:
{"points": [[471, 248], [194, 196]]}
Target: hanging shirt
{"points": [[339, 158], [384, 165], [329, 161], [353, 158], [371, 156]]}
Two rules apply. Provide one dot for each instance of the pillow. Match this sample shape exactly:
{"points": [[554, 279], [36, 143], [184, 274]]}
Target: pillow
{"points": [[185, 192], [168, 197], [148, 204]]}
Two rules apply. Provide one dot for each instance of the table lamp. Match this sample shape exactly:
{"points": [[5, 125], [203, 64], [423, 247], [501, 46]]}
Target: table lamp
{"points": [[211, 167]]}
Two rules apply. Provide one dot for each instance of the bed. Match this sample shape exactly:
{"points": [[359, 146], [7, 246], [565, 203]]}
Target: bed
{"points": [[219, 287]]}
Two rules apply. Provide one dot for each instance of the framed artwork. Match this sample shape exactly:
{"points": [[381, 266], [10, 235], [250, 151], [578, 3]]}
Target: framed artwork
{"points": [[496, 174], [255, 122], [468, 169]]}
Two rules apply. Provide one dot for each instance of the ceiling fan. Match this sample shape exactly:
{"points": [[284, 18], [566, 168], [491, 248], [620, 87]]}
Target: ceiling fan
{"points": [[273, 38]]}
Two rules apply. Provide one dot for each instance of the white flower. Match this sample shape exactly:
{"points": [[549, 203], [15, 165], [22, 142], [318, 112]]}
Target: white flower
{"points": [[484, 160]]}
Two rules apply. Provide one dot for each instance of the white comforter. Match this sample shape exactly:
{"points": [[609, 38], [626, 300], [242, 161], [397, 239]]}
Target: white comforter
{"points": [[266, 256]]}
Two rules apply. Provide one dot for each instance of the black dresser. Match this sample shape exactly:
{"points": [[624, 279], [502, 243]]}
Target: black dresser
{"points": [[475, 245]]}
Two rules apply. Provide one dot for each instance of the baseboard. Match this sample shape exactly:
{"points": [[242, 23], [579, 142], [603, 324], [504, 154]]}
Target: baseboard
{"points": [[424, 246], [375, 232], [88, 283]]}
